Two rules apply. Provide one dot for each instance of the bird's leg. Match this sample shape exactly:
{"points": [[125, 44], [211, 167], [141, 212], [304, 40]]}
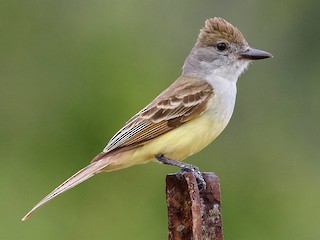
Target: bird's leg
{"points": [[185, 167]]}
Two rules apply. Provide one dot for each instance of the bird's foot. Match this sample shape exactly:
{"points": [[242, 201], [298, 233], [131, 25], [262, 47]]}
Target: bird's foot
{"points": [[185, 167], [199, 178]]}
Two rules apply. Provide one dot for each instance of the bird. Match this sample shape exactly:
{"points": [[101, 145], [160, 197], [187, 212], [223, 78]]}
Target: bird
{"points": [[185, 117]]}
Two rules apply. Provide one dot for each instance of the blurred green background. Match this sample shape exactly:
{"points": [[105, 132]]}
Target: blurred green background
{"points": [[72, 72]]}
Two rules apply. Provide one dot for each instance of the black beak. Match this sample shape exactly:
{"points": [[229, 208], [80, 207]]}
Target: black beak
{"points": [[254, 54]]}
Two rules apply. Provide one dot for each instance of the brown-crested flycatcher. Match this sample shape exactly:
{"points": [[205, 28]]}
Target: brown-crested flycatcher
{"points": [[184, 118]]}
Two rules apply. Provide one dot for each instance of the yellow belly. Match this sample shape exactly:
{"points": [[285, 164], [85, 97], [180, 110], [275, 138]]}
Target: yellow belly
{"points": [[186, 140], [177, 144]]}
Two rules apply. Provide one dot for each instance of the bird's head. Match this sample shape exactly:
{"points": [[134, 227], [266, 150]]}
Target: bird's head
{"points": [[222, 47]]}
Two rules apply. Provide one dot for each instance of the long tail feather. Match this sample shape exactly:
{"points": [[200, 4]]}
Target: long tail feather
{"points": [[71, 182]]}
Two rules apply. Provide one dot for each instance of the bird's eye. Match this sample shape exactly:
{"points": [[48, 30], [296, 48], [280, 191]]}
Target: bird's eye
{"points": [[221, 46]]}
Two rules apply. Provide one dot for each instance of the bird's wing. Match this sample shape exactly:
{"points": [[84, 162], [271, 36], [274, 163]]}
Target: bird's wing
{"points": [[184, 100]]}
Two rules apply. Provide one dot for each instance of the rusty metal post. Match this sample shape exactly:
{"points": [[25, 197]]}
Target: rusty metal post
{"points": [[193, 215]]}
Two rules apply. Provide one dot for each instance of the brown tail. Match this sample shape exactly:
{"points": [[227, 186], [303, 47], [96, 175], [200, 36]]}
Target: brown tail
{"points": [[71, 182]]}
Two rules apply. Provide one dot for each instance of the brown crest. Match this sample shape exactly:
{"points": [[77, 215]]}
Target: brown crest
{"points": [[217, 29]]}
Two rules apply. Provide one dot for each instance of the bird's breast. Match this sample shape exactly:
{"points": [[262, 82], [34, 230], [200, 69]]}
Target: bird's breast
{"points": [[222, 104]]}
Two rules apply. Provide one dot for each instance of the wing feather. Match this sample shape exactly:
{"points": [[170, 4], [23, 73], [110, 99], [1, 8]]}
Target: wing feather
{"points": [[184, 100]]}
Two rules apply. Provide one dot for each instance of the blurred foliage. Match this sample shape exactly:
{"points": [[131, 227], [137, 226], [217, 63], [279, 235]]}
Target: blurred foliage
{"points": [[72, 72]]}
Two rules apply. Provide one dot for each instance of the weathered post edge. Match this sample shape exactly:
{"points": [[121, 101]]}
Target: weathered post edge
{"points": [[192, 214]]}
